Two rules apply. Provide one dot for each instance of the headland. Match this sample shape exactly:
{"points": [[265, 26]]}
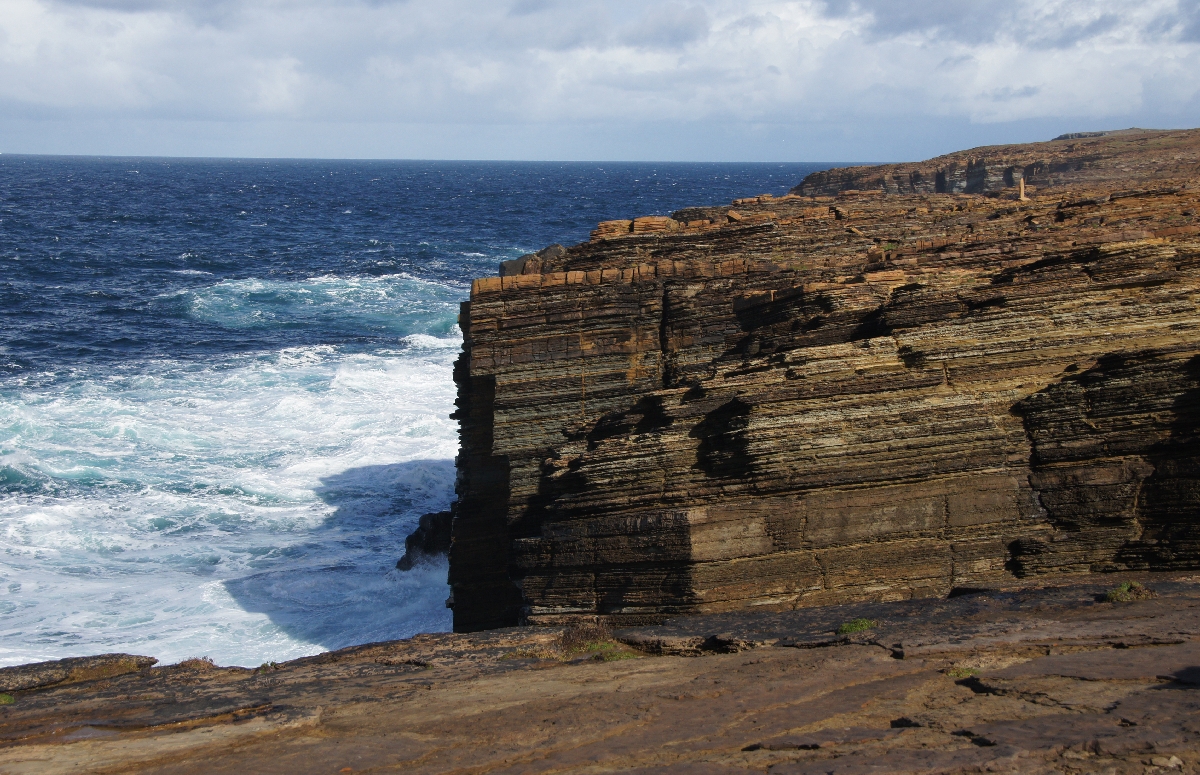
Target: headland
{"points": [[860, 391], [897, 473]]}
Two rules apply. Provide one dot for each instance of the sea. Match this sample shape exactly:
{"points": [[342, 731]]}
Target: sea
{"points": [[225, 385]]}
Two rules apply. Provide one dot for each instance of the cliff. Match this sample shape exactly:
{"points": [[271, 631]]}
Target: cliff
{"points": [[1072, 159], [822, 399]]}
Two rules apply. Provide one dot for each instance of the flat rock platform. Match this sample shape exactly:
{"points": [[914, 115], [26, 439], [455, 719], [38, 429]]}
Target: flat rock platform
{"points": [[1050, 679]]}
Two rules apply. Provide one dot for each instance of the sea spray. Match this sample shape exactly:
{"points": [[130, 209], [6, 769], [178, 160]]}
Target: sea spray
{"points": [[249, 509]]}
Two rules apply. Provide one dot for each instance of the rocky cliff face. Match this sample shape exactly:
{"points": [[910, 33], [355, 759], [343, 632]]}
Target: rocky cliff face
{"points": [[816, 399], [1084, 157]]}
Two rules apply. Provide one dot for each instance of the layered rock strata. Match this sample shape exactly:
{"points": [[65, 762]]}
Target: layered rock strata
{"points": [[1082, 157], [1035, 681], [802, 400]]}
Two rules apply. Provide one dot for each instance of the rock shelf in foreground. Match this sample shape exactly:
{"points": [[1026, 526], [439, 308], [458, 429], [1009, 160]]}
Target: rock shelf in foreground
{"points": [[814, 400], [1030, 681]]}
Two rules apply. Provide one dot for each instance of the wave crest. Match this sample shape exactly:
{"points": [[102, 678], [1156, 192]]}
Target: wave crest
{"points": [[390, 305]]}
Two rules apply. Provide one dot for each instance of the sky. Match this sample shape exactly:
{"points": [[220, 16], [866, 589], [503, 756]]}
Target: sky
{"points": [[655, 80]]}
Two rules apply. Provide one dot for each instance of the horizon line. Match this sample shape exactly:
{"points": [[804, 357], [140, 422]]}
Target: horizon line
{"points": [[414, 159]]}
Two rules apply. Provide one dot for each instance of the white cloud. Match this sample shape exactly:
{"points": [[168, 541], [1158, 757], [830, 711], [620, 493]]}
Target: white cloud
{"points": [[808, 68]]}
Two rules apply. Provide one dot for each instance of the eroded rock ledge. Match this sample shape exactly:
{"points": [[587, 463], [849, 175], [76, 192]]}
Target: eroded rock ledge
{"points": [[812, 400]]}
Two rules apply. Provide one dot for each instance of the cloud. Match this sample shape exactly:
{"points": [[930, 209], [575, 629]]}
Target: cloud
{"points": [[670, 27], [526, 7], [814, 66], [1188, 20], [1040, 24]]}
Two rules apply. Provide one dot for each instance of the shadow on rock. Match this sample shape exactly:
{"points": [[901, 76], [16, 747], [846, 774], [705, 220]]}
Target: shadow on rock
{"points": [[337, 585]]}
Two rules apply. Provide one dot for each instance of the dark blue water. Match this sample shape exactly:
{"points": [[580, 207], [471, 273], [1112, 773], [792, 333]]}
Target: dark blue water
{"points": [[225, 385], [98, 253]]}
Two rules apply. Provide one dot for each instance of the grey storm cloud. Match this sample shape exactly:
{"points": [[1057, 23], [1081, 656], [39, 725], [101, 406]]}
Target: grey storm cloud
{"points": [[1041, 24], [1188, 20], [671, 26], [526, 7], [567, 67]]}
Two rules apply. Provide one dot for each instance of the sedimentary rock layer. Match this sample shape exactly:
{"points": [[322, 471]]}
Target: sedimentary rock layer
{"points": [[808, 400], [1082, 158], [1036, 681]]}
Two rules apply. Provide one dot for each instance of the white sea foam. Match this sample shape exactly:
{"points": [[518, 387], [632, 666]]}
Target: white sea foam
{"points": [[248, 510], [427, 342], [396, 303]]}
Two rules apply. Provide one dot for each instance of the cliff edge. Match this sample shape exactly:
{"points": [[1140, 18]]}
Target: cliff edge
{"points": [[856, 392]]}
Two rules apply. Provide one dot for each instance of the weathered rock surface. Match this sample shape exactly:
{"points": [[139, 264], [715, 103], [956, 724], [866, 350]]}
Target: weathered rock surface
{"points": [[1043, 680], [72, 670], [803, 401], [1082, 158]]}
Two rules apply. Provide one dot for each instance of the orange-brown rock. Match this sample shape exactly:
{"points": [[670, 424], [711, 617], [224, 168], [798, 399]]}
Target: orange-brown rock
{"points": [[840, 398]]}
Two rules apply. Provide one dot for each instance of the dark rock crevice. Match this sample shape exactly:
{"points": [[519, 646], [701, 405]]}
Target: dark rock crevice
{"points": [[1115, 464]]}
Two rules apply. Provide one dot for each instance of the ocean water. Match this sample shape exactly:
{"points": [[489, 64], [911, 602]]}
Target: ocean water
{"points": [[225, 385]]}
